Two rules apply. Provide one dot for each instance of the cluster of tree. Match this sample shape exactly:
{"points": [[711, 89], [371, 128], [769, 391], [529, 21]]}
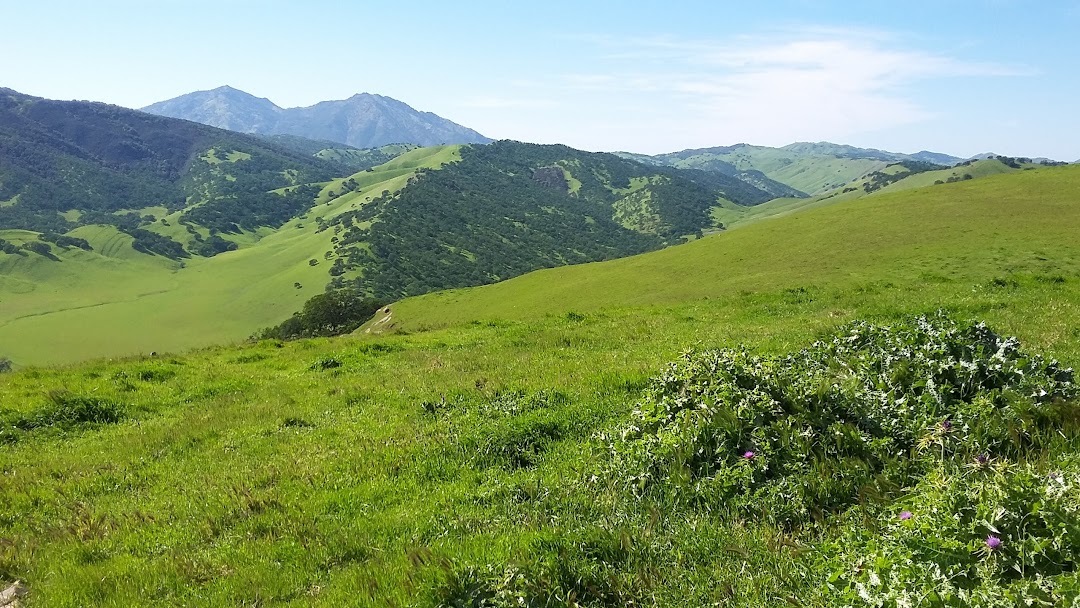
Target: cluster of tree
{"points": [[953, 179], [64, 241], [347, 186], [245, 205], [41, 248], [332, 313], [879, 179], [10, 248], [211, 246]]}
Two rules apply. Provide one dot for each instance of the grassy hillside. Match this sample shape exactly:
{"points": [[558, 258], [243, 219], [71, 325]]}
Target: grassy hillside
{"points": [[939, 237], [896, 177], [522, 456]]}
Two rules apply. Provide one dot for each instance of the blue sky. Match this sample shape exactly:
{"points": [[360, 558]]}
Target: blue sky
{"points": [[950, 76]]}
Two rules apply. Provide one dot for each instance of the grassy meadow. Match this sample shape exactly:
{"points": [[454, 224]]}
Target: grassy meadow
{"points": [[475, 456]]}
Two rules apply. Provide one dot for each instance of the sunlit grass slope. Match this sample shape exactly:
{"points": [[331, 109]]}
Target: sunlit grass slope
{"points": [[933, 239], [734, 215], [114, 301]]}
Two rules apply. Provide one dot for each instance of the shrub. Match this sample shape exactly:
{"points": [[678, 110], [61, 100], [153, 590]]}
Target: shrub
{"points": [[328, 314], [860, 415]]}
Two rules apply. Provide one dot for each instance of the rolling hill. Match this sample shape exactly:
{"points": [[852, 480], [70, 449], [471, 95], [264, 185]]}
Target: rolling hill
{"points": [[896, 177], [362, 121], [941, 235], [755, 418], [123, 232]]}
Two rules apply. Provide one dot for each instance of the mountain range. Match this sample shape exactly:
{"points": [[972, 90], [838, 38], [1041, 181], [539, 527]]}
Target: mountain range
{"points": [[809, 168], [363, 120]]}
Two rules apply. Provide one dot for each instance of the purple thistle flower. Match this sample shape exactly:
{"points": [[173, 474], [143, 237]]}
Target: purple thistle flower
{"points": [[905, 515], [982, 459], [749, 455], [946, 426], [993, 542]]}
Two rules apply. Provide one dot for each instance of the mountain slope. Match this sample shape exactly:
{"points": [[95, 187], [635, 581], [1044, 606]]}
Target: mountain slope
{"points": [[362, 121]]}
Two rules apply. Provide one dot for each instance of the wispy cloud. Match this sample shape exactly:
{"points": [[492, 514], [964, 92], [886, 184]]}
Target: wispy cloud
{"points": [[814, 84], [790, 84]]}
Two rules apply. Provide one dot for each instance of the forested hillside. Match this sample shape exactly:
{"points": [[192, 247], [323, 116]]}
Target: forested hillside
{"points": [[71, 164], [507, 208]]}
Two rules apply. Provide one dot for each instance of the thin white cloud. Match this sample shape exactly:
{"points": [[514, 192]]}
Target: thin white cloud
{"points": [[805, 84]]}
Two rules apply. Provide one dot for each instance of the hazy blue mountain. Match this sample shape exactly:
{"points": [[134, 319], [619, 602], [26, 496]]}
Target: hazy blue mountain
{"points": [[363, 120]]}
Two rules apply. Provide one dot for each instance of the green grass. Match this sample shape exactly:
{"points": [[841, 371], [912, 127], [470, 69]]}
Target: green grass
{"points": [[415, 469], [114, 301]]}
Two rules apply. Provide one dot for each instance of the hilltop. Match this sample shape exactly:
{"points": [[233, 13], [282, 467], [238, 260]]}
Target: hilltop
{"points": [[363, 120]]}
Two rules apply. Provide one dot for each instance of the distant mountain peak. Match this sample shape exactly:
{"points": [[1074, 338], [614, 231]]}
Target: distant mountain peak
{"points": [[364, 120]]}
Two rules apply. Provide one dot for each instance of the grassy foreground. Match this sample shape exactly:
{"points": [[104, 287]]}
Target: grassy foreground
{"points": [[488, 460]]}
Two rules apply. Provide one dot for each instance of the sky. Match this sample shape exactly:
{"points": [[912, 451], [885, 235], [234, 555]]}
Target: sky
{"points": [[957, 77]]}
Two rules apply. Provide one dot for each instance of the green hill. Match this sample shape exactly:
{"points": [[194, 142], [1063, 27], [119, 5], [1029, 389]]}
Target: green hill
{"points": [[899, 238], [904, 175], [507, 208], [71, 164], [702, 425], [114, 300]]}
